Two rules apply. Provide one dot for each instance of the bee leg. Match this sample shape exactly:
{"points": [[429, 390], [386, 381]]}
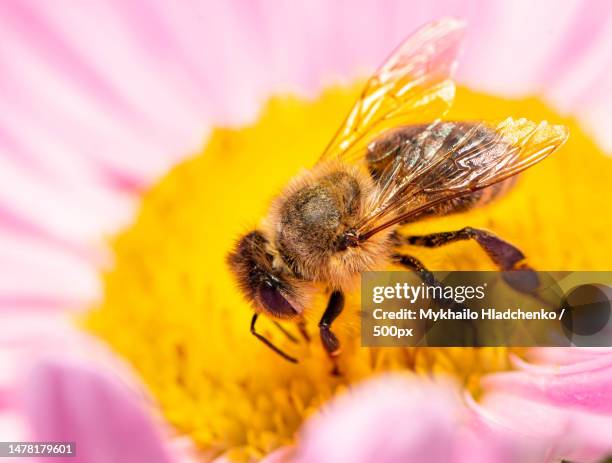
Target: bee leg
{"points": [[414, 264], [269, 343], [303, 331], [328, 338], [282, 329], [505, 255]]}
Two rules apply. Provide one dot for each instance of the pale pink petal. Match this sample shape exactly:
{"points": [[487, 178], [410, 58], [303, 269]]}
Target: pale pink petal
{"points": [[390, 420], [570, 434], [56, 210], [8, 369], [74, 402], [582, 57], [585, 385], [482, 441], [595, 111], [13, 426], [26, 335], [35, 327], [554, 356], [56, 379], [95, 63], [507, 32], [36, 272], [565, 407], [398, 419]]}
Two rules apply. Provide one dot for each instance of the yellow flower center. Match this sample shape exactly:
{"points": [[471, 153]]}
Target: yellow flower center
{"points": [[171, 308]]}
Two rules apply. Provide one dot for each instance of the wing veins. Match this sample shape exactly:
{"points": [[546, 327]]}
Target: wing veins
{"points": [[520, 150]]}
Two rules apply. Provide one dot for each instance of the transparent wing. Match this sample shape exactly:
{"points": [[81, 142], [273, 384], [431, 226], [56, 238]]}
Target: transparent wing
{"points": [[438, 165], [412, 86]]}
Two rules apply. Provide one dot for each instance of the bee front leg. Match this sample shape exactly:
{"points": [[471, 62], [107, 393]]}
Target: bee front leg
{"points": [[328, 338], [303, 330], [301, 325], [287, 334]]}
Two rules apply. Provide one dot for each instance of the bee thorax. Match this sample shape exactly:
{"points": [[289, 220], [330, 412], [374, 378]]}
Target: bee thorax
{"points": [[315, 226]]}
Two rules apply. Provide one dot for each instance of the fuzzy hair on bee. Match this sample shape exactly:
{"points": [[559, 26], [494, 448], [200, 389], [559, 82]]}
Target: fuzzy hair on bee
{"points": [[313, 220]]}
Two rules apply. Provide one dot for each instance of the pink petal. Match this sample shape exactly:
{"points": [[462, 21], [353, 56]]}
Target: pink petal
{"points": [[561, 356], [569, 434], [566, 408], [483, 442], [36, 272], [585, 385], [73, 402], [13, 427], [390, 420], [397, 419]]}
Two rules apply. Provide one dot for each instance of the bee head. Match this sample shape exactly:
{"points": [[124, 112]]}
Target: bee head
{"points": [[271, 290]]}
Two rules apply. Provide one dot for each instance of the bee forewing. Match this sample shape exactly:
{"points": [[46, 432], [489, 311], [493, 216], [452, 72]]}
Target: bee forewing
{"points": [[488, 153], [531, 143], [412, 86]]}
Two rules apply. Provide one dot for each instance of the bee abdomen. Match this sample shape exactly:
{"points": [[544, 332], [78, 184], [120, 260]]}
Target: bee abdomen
{"points": [[468, 201]]}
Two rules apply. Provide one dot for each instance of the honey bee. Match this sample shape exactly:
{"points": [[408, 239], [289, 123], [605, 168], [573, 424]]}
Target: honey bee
{"points": [[392, 162]]}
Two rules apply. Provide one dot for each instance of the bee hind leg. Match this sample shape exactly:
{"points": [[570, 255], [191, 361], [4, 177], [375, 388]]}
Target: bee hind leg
{"points": [[301, 326], [328, 338], [504, 254]]}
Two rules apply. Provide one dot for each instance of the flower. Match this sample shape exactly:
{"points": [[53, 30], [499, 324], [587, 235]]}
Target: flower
{"points": [[167, 305], [188, 326]]}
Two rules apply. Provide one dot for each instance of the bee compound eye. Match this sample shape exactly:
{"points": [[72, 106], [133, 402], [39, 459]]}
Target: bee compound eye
{"points": [[275, 302]]}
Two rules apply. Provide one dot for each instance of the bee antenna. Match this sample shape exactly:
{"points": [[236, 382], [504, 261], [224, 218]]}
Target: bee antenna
{"points": [[268, 343]]}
